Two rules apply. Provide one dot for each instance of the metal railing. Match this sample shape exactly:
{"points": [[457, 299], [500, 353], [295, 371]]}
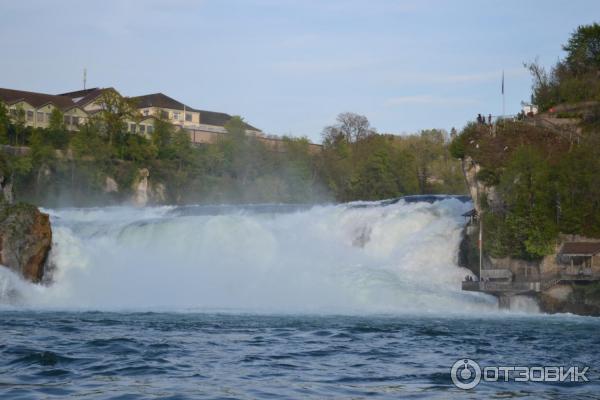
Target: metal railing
{"points": [[545, 282], [488, 286]]}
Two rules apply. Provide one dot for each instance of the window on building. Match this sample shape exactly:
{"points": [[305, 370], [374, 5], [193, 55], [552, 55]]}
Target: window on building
{"points": [[67, 120], [40, 116], [75, 121], [142, 128], [176, 116], [188, 117], [47, 117], [164, 114], [146, 111], [30, 116], [150, 128], [132, 128]]}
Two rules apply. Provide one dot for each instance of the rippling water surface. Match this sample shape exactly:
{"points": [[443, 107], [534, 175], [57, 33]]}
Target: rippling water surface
{"points": [[117, 355]]}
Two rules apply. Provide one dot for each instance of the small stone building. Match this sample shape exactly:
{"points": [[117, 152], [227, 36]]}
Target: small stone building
{"points": [[580, 259]]}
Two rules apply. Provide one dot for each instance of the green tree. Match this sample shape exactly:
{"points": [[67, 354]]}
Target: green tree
{"points": [[4, 123], [244, 154], [583, 49], [183, 152], [297, 171], [527, 190], [87, 144], [19, 126], [578, 187], [115, 111], [376, 178], [161, 137], [350, 127], [336, 166], [427, 149], [573, 79], [42, 155], [140, 149], [57, 131]]}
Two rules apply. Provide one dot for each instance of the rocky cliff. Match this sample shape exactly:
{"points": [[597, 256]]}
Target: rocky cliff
{"points": [[146, 192], [25, 240], [25, 235], [575, 298]]}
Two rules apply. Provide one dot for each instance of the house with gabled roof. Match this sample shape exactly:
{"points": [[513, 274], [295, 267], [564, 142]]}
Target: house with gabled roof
{"points": [[79, 106], [580, 259], [203, 126], [87, 99], [37, 107]]}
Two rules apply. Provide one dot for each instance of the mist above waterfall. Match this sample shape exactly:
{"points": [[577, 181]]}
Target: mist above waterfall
{"points": [[360, 257]]}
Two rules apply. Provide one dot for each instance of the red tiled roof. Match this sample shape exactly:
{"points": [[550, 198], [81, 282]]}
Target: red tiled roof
{"points": [[35, 99]]}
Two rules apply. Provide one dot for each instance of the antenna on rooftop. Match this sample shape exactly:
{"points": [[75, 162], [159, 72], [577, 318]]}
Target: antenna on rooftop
{"points": [[84, 77]]}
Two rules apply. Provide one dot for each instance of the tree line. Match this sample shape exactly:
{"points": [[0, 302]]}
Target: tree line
{"points": [[356, 163]]}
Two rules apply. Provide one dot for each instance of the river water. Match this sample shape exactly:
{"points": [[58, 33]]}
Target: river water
{"points": [[356, 301]]}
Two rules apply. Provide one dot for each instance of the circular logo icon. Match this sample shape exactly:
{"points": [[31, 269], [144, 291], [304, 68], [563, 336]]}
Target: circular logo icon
{"points": [[466, 374]]}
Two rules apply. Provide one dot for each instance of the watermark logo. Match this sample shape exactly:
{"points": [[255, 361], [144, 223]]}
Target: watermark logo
{"points": [[466, 374]]}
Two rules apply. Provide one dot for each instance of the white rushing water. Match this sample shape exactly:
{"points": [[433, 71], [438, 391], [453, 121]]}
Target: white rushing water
{"points": [[325, 259]]}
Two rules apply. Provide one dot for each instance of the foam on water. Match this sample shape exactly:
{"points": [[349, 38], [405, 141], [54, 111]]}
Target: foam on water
{"points": [[326, 259]]}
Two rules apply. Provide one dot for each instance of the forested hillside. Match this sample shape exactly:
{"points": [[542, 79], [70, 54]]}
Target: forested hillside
{"points": [[544, 170]]}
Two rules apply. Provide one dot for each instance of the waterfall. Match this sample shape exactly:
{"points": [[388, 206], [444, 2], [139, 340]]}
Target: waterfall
{"points": [[376, 257]]}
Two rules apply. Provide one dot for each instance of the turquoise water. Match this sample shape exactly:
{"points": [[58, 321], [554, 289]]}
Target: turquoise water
{"points": [[97, 355]]}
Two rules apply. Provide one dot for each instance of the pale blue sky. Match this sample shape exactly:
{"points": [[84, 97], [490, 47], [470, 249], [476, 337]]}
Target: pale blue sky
{"points": [[290, 66]]}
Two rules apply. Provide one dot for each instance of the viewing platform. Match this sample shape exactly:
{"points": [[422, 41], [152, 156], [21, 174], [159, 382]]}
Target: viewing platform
{"points": [[510, 288], [502, 288], [576, 262]]}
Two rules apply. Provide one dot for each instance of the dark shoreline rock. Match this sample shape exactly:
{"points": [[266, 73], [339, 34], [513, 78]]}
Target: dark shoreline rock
{"points": [[577, 299], [25, 240], [25, 233]]}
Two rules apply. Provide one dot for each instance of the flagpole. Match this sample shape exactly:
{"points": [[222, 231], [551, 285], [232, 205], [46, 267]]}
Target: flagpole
{"points": [[503, 100], [480, 243]]}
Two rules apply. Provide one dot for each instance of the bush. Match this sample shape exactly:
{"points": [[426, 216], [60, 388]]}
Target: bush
{"points": [[488, 177], [457, 148]]}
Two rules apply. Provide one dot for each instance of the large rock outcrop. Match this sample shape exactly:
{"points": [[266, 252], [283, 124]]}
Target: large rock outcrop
{"points": [[25, 239], [477, 189], [145, 192], [25, 233]]}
